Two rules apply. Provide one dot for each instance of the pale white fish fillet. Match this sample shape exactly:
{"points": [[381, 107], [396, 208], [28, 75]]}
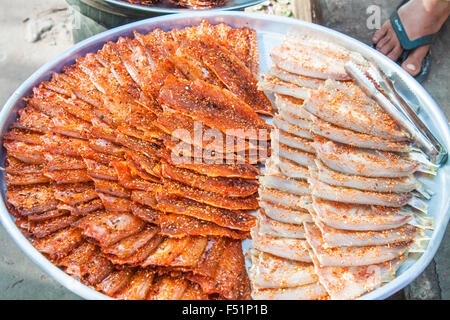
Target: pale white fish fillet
{"points": [[291, 169], [269, 271], [335, 178], [285, 214], [294, 249], [312, 291], [363, 162], [346, 106], [292, 141], [361, 140], [312, 58], [292, 105], [283, 183], [279, 229], [344, 238], [346, 283], [297, 79], [351, 256], [282, 124], [332, 49], [281, 198], [300, 157], [275, 85], [346, 216], [295, 120], [325, 191]]}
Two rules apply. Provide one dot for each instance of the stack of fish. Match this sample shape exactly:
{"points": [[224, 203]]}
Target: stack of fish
{"points": [[96, 182], [191, 4], [281, 264], [364, 196], [199, 4]]}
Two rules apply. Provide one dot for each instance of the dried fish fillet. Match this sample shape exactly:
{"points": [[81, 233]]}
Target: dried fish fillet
{"points": [[295, 120], [344, 238], [269, 271], [343, 283], [351, 256], [313, 291], [178, 226], [355, 196], [25, 179], [285, 199], [312, 57], [32, 199], [274, 179], [360, 140], [239, 170], [291, 105], [226, 218], [297, 79], [335, 178], [232, 72], [292, 141], [282, 124], [293, 249], [345, 216], [291, 169], [196, 133], [285, 214], [363, 162], [213, 199], [346, 106], [110, 227], [214, 107], [273, 84], [230, 187], [301, 158], [275, 228]]}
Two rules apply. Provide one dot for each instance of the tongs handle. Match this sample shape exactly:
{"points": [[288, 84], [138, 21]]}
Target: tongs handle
{"points": [[404, 116]]}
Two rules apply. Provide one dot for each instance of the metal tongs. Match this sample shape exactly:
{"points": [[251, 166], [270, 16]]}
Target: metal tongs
{"points": [[389, 99]]}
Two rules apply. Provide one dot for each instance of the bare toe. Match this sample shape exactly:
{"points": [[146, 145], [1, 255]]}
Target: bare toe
{"points": [[387, 43], [381, 32], [395, 52], [413, 63]]}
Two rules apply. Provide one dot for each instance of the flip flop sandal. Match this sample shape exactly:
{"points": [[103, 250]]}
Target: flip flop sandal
{"points": [[409, 45]]}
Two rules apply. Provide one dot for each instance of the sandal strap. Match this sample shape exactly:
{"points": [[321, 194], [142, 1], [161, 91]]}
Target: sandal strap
{"points": [[405, 42]]}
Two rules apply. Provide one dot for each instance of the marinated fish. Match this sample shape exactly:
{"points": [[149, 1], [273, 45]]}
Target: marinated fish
{"points": [[288, 248], [363, 162], [313, 58], [397, 185], [214, 107], [346, 216], [284, 214], [313, 291], [297, 79], [351, 256], [285, 199], [275, 228], [344, 283], [275, 85], [346, 106], [355, 196], [269, 271]]}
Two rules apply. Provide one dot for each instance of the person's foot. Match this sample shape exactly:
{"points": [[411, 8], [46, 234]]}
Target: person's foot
{"points": [[419, 18]]}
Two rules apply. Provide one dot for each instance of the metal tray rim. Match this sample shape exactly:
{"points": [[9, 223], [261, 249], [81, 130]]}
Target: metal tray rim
{"points": [[222, 16]]}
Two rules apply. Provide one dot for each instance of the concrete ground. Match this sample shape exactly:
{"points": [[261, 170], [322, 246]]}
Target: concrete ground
{"points": [[33, 32]]}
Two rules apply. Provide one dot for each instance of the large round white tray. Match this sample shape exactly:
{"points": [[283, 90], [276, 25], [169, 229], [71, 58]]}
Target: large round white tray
{"points": [[271, 30]]}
